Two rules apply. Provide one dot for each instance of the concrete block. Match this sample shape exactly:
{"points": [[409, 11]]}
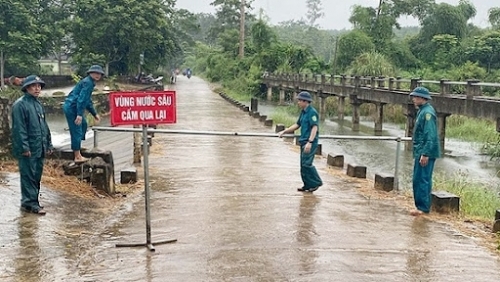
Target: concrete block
{"points": [[496, 226], [444, 202], [358, 171], [335, 160], [297, 141], [279, 128], [256, 114], [268, 122], [128, 175], [319, 150], [102, 178], [246, 109], [262, 118], [384, 182]]}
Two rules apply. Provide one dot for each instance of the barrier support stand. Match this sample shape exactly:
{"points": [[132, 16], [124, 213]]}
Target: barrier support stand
{"points": [[149, 244]]}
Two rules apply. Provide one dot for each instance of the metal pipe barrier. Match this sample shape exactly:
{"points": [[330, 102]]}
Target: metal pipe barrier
{"points": [[398, 140]]}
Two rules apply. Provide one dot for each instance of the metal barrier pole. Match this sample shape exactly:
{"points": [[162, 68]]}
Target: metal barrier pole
{"points": [[396, 166], [145, 156], [149, 244]]}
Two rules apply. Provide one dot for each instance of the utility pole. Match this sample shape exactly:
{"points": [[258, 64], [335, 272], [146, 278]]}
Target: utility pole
{"points": [[242, 29]]}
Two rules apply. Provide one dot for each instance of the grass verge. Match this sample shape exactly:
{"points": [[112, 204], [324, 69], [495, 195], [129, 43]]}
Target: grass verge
{"points": [[477, 200]]}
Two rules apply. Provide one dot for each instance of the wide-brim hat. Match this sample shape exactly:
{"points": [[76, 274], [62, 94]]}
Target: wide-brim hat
{"points": [[421, 92], [305, 96], [32, 79], [96, 69]]}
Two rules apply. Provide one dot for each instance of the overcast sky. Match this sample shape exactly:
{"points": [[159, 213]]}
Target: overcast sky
{"points": [[337, 12]]}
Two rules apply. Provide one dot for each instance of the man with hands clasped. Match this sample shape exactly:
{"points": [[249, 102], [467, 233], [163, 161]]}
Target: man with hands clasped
{"points": [[308, 123], [31, 142]]}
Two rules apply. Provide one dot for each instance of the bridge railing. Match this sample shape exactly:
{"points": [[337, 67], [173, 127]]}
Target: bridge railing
{"points": [[469, 88]]}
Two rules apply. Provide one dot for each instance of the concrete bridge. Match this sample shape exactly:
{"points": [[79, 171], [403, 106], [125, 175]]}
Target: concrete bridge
{"points": [[381, 91]]}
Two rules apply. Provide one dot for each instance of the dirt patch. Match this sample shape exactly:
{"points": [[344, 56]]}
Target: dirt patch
{"points": [[54, 178]]}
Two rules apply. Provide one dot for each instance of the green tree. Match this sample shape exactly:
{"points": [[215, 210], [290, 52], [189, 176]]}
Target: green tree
{"points": [[486, 50], [18, 31], [123, 29], [446, 45], [53, 18], [227, 14], [494, 17], [262, 36], [372, 64], [351, 45]]}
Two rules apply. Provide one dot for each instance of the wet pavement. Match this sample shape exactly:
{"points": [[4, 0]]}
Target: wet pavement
{"points": [[232, 204]]}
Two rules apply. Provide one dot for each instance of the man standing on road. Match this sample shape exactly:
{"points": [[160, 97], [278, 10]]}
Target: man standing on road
{"points": [[79, 100], [308, 124], [31, 142], [426, 149]]}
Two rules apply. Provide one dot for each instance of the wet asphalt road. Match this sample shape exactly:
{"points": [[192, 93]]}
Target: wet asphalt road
{"points": [[232, 204]]}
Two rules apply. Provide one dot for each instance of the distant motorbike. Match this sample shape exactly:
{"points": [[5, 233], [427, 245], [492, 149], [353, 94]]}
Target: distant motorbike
{"points": [[149, 79], [188, 74]]}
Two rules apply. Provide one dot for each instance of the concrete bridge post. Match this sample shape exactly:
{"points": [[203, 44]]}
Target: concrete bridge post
{"points": [[373, 82], [322, 105], [442, 129], [391, 83], [341, 108], [323, 80], [355, 105], [410, 115], [415, 82], [379, 118], [269, 92], [341, 104], [398, 82], [355, 116], [381, 82], [410, 123], [472, 89], [445, 87], [282, 95]]}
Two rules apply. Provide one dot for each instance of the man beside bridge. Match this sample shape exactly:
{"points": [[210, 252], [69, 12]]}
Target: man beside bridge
{"points": [[426, 149], [309, 130]]}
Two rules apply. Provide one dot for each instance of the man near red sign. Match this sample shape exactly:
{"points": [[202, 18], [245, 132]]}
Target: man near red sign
{"points": [[79, 100]]}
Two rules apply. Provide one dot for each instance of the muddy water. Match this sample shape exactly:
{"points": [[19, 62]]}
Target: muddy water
{"points": [[231, 203]]}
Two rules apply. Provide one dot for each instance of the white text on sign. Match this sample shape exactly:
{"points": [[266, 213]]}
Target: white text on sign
{"points": [[131, 115], [146, 101]]}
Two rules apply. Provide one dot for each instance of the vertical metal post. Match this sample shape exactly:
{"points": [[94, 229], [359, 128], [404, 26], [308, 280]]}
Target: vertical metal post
{"points": [[96, 140], [396, 166], [145, 148]]}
